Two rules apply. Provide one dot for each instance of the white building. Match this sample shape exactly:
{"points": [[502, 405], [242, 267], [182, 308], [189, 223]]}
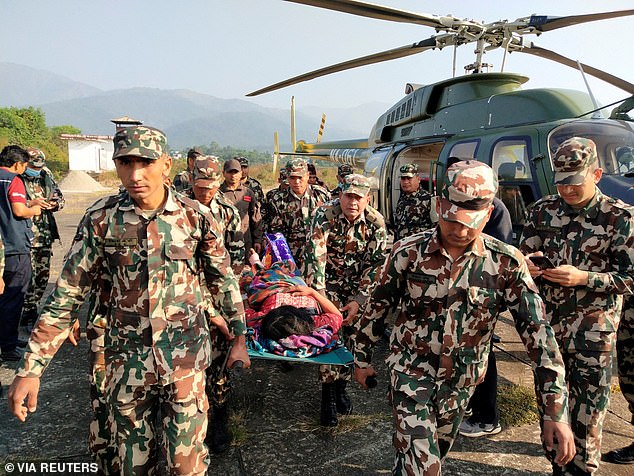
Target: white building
{"points": [[89, 153]]}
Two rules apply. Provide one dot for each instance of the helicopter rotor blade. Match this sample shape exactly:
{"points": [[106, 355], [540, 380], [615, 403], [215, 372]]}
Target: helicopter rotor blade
{"points": [[388, 55], [379, 12], [535, 50], [545, 23]]}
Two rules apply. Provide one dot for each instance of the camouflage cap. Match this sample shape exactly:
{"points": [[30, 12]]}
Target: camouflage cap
{"points": [[409, 170], [207, 173], [344, 169], [356, 184], [297, 167], [283, 174], [244, 162], [194, 152], [232, 164], [140, 141], [467, 193], [573, 159], [36, 157]]}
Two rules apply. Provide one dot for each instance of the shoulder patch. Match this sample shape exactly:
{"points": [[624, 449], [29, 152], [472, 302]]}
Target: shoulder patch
{"points": [[374, 216], [502, 248]]}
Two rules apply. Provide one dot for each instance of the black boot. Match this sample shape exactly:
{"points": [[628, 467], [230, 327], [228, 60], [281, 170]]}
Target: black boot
{"points": [[328, 405], [342, 399], [219, 437]]}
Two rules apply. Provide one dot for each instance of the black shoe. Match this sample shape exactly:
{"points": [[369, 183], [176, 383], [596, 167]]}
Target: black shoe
{"points": [[13, 355], [21, 343], [620, 456], [219, 437], [328, 415], [342, 399]]}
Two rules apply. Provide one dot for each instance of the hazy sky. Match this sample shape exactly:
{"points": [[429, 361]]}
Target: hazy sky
{"points": [[228, 48]]}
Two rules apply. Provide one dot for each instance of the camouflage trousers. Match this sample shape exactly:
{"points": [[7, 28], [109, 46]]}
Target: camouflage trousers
{"points": [[625, 353], [330, 373], [41, 264], [218, 385], [183, 408], [101, 430], [424, 433], [588, 374]]}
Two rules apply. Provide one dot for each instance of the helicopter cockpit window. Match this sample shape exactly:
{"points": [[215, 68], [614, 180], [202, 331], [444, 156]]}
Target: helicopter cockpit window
{"points": [[464, 150], [422, 155], [615, 143]]}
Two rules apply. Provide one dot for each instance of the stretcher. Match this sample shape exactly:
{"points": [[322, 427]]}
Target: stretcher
{"points": [[337, 356]]}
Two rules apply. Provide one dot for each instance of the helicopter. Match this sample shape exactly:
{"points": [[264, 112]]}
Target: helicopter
{"points": [[482, 115]]}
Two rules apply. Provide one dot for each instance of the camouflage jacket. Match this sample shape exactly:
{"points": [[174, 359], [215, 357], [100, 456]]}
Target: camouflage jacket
{"points": [[243, 199], [183, 181], [157, 330], [1, 257], [412, 214], [256, 186], [45, 230], [266, 204], [229, 216], [448, 310], [334, 193], [598, 239], [344, 257], [292, 216]]}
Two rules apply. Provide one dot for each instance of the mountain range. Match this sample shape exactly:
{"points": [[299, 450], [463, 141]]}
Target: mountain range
{"points": [[187, 117]]}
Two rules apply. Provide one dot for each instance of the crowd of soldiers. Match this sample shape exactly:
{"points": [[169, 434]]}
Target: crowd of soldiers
{"points": [[160, 265]]}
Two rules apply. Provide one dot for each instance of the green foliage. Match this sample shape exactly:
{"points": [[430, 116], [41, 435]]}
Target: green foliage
{"points": [[26, 127], [517, 405]]}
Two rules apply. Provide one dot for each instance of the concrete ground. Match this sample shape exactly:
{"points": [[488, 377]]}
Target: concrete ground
{"points": [[275, 416]]}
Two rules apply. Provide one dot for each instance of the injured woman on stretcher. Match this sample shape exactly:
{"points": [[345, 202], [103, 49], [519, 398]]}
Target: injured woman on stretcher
{"points": [[286, 317]]}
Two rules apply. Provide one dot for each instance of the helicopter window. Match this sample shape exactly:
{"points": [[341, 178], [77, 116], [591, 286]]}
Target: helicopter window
{"points": [[510, 160], [464, 150], [615, 143], [422, 155]]}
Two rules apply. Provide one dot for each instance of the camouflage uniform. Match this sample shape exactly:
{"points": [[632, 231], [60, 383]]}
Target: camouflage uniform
{"points": [[250, 182], [342, 172], [157, 339], [599, 239], [441, 338], [625, 354], [266, 204], [183, 181], [413, 209], [342, 259], [44, 230], [292, 215]]}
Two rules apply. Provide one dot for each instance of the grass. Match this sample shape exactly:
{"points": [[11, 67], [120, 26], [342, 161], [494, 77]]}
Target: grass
{"points": [[517, 405]]}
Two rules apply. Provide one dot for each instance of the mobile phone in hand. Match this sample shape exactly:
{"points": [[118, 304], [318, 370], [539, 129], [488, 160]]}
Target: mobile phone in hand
{"points": [[542, 262]]}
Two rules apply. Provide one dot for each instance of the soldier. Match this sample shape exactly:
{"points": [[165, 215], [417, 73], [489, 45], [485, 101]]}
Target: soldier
{"points": [[208, 176], [625, 362], [282, 181], [451, 283], [342, 172], [244, 199], [345, 247], [292, 210], [250, 182], [413, 209], [183, 180], [40, 184], [589, 239], [152, 244]]}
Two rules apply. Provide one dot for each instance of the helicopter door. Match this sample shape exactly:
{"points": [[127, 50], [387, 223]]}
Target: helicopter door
{"points": [[423, 155], [510, 160]]}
